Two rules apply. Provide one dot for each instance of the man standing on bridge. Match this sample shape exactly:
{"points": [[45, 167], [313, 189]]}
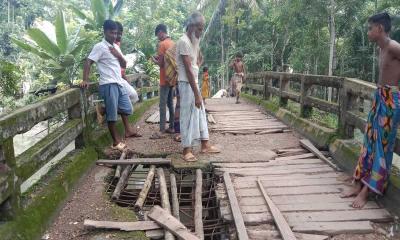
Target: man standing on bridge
{"points": [[238, 76], [374, 164], [109, 59], [193, 121]]}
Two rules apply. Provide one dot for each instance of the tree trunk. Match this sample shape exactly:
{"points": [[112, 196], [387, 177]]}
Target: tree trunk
{"points": [[332, 45], [222, 52]]}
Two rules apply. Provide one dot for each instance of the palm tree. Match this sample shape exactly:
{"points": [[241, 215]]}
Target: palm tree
{"points": [[64, 56]]}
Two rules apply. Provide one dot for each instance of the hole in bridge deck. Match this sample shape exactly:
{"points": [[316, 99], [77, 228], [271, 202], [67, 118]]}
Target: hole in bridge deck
{"points": [[213, 225]]}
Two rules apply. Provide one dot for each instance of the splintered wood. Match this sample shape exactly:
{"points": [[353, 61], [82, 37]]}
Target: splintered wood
{"points": [[155, 117]]}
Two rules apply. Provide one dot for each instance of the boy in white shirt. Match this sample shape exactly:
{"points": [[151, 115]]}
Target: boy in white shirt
{"points": [[109, 60]]}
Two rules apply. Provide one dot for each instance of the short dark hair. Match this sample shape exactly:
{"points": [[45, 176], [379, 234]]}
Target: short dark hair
{"points": [[119, 25], [109, 25], [160, 28], [205, 69], [383, 19], [239, 55]]}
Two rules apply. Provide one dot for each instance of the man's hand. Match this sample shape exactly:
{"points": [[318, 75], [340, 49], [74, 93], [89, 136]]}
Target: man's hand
{"points": [[115, 52], [84, 84], [197, 100]]}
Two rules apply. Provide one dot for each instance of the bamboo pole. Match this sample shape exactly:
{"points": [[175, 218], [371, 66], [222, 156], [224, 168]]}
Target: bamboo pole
{"points": [[146, 187], [164, 198], [174, 193], [198, 205]]}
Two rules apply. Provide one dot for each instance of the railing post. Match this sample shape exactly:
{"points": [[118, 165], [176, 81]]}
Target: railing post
{"points": [[346, 103], [77, 112], [284, 86], [267, 93], [305, 110], [11, 206]]}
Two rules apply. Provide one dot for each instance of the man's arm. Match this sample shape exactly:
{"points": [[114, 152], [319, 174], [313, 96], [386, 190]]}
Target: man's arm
{"points": [[394, 49], [159, 60], [189, 73], [118, 55], [86, 72]]}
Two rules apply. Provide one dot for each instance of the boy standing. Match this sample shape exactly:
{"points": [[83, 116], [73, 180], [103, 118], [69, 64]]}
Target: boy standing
{"points": [[375, 161]]}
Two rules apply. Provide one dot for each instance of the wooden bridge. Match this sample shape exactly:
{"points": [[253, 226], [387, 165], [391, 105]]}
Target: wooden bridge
{"points": [[270, 149]]}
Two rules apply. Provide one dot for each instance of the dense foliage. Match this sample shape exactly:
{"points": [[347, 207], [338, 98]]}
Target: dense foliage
{"points": [[44, 42]]}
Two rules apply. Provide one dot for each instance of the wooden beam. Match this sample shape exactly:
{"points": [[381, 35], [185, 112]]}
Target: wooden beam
{"points": [[283, 226], [145, 190], [121, 182], [233, 202], [309, 146], [135, 161], [123, 226], [164, 198], [165, 219], [117, 173], [174, 196], [198, 205]]}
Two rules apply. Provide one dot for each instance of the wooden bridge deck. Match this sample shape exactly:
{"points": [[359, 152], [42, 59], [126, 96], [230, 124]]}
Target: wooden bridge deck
{"points": [[304, 188]]}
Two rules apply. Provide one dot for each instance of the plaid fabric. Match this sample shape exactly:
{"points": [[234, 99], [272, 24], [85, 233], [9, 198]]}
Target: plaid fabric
{"points": [[171, 69]]}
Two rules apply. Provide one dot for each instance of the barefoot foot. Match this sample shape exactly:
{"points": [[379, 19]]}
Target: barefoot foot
{"points": [[353, 191], [361, 199]]}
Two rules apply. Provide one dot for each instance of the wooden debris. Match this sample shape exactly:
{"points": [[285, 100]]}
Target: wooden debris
{"points": [[135, 161], [122, 181], [309, 146], [174, 197], [155, 234], [198, 205], [283, 226], [118, 169], [270, 131], [237, 215], [145, 190], [165, 219], [123, 226], [164, 198], [301, 156], [211, 119], [335, 228]]}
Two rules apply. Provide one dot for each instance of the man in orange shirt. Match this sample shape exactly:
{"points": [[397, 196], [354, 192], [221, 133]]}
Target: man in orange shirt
{"points": [[166, 91]]}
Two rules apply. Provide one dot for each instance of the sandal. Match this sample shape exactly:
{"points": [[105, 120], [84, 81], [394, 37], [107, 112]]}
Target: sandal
{"points": [[211, 149], [120, 146], [189, 157]]}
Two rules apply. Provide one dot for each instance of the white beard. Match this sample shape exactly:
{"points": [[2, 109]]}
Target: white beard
{"points": [[195, 42]]}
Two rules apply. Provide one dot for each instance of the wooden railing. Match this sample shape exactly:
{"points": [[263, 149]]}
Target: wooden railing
{"points": [[74, 103], [348, 98]]}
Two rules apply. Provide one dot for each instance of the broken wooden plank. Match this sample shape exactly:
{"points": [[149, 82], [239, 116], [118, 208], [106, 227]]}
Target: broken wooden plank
{"points": [[248, 192], [270, 131], [122, 181], [301, 207], [145, 190], [164, 198], [117, 173], [174, 196], [323, 169], [255, 234], [288, 183], [123, 226], [291, 177], [237, 216], [135, 161], [273, 167], [374, 215], [198, 205], [211, 119], [309, 146], [155, 234], [300, 156], [165, 219], [334, 228], [279, 219]]}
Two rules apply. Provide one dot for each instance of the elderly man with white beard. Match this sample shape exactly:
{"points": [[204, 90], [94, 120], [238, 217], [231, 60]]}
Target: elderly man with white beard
{"points": [[193, 119]]}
